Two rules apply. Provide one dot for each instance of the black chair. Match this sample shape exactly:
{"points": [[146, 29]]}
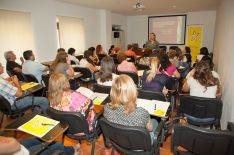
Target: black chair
{"points": [[29, 78], [131, 140], [5, 108], [133, 75], [101, 89], [201, 108], [131, 59], [151, 95], [73, 62], [87, 75], [45, 79], [77, 124], [200, 141], [18, 74]]}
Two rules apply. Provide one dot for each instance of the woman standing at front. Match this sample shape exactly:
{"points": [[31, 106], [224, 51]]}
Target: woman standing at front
{"points": [[152, 43]]}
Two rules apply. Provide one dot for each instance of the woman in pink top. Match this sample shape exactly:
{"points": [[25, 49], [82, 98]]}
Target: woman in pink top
{"points": [[62, 98], [124, 65], [167, 67]]}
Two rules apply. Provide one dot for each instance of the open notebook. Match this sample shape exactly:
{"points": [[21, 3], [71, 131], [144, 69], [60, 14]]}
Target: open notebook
{"points": [[154, 107], [38, 126], [97, 98]]}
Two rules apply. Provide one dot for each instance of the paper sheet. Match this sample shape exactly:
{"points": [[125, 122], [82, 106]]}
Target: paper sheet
{"points": [[98, 98]]}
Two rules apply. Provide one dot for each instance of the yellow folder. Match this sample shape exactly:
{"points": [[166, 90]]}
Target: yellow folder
{"points": [[28, 85]]}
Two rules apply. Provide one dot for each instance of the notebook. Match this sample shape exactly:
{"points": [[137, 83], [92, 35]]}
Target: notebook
{"points": [[38, 126]]}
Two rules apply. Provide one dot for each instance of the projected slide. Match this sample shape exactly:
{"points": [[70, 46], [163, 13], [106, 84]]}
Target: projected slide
{"points": [[168, 29]]}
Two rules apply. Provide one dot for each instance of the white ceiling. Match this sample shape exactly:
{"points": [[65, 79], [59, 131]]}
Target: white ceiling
{"points": [[152, 6]]}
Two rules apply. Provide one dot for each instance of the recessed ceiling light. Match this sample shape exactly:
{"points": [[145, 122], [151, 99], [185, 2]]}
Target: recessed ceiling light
{"points": [[174, 6]]}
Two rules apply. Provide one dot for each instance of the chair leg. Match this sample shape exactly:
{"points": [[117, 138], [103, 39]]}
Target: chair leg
{"points": [[93, 147], [112, 150]]}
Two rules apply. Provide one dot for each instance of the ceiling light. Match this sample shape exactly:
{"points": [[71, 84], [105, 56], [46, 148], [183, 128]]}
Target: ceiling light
{"points": [[139, 6]]}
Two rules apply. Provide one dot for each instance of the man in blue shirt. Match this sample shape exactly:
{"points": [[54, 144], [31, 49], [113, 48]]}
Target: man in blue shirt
{"points": [[32, 67]]}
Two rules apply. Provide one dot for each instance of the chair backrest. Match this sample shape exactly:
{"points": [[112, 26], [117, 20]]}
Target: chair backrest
{"points": [[73, 62], [85, 71], [30, 78], [76, 121], [202, 141], [125, 137], [18, 74], [151, 95], [101, 89], [5, 106], [142, 67], [133, 75], [200, 107]]}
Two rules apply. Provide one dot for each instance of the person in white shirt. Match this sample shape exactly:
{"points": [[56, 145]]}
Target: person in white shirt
{"points": [[202, 83], [71, 56], [32, 67]]}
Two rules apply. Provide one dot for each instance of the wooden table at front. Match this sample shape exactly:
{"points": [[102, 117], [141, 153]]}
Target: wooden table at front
{"points": [[48, 137]]}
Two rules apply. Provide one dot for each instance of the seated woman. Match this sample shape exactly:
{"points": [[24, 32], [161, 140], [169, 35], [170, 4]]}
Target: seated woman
{"points": [[107, 72], [88, 62], [123, 107], [153, 79], [167, 67], [202, 83], [124, 65], [62, 98], [10, 145], [94, 56]]}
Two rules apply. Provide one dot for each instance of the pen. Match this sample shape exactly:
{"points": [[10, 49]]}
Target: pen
{"points": [[95, 98], [44, 124], [155, 106]]}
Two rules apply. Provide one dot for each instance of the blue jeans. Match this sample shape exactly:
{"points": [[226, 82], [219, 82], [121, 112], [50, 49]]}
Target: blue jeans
{"points": [[42, 102], [33, 144], [155, 125]]}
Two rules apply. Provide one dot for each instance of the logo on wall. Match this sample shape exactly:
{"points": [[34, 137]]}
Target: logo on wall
{"points": [[194, 39]]}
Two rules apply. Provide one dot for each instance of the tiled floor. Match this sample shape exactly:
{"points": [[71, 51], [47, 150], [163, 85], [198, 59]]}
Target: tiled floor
{"points": [[86, 146]]}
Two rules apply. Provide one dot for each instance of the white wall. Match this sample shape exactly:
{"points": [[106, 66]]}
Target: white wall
{"points": [[224, 56], [43, 14], [138, 27]]}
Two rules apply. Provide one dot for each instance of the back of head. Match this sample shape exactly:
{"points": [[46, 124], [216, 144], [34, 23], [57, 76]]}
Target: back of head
{"points": [[204, 51], [58, 83], [71, 51], [204, 75], [123, 92], [154, 67], [88, 53], [129, 47], [187, 49], [27, 54], [121, 57], [107, 68], [172, 54], [209, 61], [164, 61], [7, 55], [99, 49], [61, 57], [61, 50], [92, 49]]}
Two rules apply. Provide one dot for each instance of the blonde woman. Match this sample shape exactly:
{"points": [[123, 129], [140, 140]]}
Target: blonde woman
{"points": [[62, 98], [123, 107], [153, 79]]}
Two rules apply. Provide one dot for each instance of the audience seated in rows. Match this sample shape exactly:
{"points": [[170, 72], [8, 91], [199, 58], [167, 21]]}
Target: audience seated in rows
{"points": [[167, 67], [202, 83], [32, 67], [10, 89], [107, 73], [12, 66], [124, 65], [123, 108], [9, 145], [153, 79], [62, 98], [71, 56], [87, 61]]}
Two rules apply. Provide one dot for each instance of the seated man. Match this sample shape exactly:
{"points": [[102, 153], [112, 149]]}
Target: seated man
{"points": [[12, 66], [32, 67], [10, 89]]}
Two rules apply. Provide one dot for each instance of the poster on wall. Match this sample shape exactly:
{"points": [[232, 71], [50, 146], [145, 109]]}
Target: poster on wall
{"points": [[194, 39]]}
